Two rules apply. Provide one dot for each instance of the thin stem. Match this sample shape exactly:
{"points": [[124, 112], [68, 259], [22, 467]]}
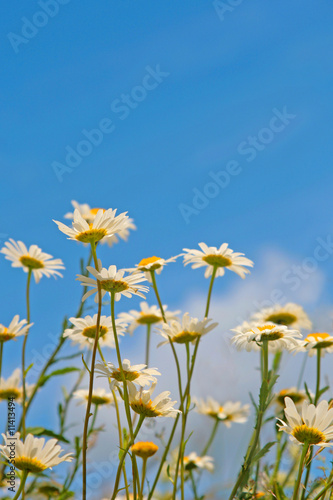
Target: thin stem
{"points": [[195, 493], [211, 438], [22, 484], [148, 344], [153, 279], [91, 382], [300, 471], [1, 354], [143, 473], [210, 291], [300, 378], [24, 392]]}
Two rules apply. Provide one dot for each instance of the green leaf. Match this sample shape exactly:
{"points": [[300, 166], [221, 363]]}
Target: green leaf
{"points": [[62, 371], [253, 401], [40, 431], [65, 358], [27, 369], [323, 390], [308, 392], [263, 451]]}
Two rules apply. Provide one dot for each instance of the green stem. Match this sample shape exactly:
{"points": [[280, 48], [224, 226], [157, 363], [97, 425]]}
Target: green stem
{"points": [[144, 468], [195, 493], [300, 471], [1, 354], [210, 291], [211, 438], [91, 382], [24, 395], [148, 344], [22, 484]]}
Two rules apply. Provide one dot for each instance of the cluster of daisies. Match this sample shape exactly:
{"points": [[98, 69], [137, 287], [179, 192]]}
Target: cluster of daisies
{"points": [[278, 328]]}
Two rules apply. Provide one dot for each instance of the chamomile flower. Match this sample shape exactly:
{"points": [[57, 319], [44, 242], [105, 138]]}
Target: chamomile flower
{"points": [[148, 315], [188, 330], [193, 461], [83, 331], [292, 315], [152, 264], [141, 402], [138, 374], [315, 341], [99, 397], [113, 281], [227, 412], [220, 258], [296, 395], [15, 329], [34, 455], [11, 387], [144, 449], [313, 426], [278, 337], [32, 259], [105, 225], [89, 214]]}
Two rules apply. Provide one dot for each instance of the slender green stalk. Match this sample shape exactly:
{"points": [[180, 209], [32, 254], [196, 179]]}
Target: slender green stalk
{"points": [[120, 465], [210, 291], [195, 493], [300, 471], [22, 484], [1, 354], [143, 474], [148, 344], [24, 392], [91, 382], [317, 395], [211, 438]]}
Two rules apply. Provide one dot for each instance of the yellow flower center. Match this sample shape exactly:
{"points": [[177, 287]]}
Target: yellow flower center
{"points": [[269, 335], [311, 435], [130, 376], [6, 335], [90, 331], [184, 336], [189, 464], [320, 338], [282, 318], [11, 392], [150, 264], [91, 235], [144, 449], [296, 397], [29, 464], [94, 211], [148, 319], [217, 260], [30, 262], [114, 286], [146, 409]]}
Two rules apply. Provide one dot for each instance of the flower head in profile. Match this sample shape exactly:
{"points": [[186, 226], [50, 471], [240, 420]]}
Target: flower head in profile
{"points": [[138, 374], [34, 454], [227, 412], [99, 397], [194, 461], [144, 449], [315, 341], [291, 315], [313, 426], [220, 258], [15, 329], [32, 259], [105, 224], [113, 281], [89, 215], [296, 395], [188, 330], [148, 315], [141, 402], [11, 387], [83, 331], [278, 337], [150, 264]]}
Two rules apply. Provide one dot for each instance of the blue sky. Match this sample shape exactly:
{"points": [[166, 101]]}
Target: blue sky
{"points": [[223, 82]]}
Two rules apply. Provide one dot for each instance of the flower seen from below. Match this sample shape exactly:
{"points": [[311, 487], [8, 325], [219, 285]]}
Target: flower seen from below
{"points": [[188, 330], [15, 329], [141, 402], [278, 337], [148, 315], [138, 374], [227, 412], [292, 315]]}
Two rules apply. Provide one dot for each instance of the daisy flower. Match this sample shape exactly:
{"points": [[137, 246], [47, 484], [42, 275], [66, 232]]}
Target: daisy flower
{"points": [[104, 225], [150, 264], [193, 461], [293, 393], [290, 314], [219, 258], [144, 449], [84, 331], [315, 341], [141, 402], [278, 337], [34, 259], [113, 281], [99, 397], [312, 426], [227, 412], [11, 388], [186, 331], [148, 315], [34, 455], [138, 374], [89, 214], [15, 329]]}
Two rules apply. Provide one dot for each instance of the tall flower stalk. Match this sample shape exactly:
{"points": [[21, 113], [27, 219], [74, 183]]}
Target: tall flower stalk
{"points": [[24, 397]]}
